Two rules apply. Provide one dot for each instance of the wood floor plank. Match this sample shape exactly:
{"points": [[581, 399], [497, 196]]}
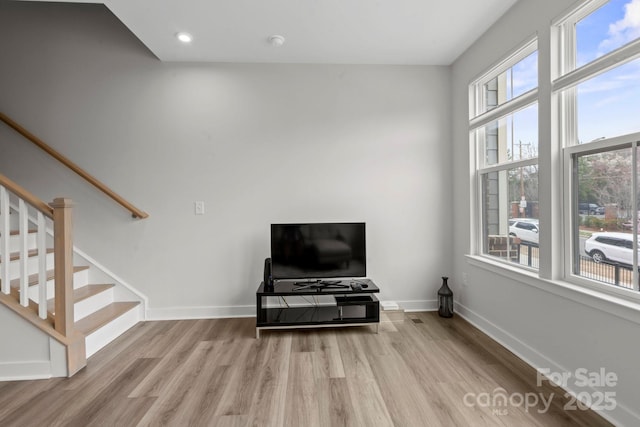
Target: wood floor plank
{"points": [[269, 398], [188, 396], [171, 365], [213, 372], [167, 340], [405, 400], [122, 351], [14, 394], [327, 362], [105, 406], [302, 399], [369, 407], [249, 358], [335, 402]]}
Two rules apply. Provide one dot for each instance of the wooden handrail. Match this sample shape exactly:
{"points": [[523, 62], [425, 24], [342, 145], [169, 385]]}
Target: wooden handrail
{"points": [[135, 212], [26, 196]]}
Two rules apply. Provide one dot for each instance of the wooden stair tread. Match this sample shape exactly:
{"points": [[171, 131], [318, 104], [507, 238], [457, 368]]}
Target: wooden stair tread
{"points": [[14, 256], [103, 316], [81, 294], [17, 232], [33, 278]]}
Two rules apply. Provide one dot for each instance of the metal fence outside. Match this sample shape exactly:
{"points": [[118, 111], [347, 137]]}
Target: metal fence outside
{"points": [[606, 272], [528, 254]]}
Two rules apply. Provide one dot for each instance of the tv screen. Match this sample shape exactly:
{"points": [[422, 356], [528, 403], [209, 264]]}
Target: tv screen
{"points": [[318, 250]]}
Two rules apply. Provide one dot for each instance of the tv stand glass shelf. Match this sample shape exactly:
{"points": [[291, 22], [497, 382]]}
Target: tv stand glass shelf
{"points": [[330, 303]]}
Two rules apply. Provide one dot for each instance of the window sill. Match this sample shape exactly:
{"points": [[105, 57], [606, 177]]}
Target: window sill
{"points": [[625, 308]]}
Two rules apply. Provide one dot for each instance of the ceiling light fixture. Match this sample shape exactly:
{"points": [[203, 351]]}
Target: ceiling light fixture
{"points": [[276, 40], [184, 37]]}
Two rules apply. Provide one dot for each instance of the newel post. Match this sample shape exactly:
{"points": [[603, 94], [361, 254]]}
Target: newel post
{"points": [[63, 249]]}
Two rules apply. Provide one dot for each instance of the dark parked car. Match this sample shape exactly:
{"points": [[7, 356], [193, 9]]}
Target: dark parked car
{"points": [[590, 209]]}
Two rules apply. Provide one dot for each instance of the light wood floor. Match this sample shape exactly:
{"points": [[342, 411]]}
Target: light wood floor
{"points": [[214, 372]]}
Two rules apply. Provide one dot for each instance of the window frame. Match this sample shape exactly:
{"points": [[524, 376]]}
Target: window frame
{"points": [[631, 141], [556, 93], [565, 79], [479, 117]]}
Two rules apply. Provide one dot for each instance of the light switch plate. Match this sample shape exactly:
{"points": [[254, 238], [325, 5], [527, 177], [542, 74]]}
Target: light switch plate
{"points": [[199, 208]]}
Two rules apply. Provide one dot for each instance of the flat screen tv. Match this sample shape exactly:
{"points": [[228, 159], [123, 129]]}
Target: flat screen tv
{"points": [[318, 250]]}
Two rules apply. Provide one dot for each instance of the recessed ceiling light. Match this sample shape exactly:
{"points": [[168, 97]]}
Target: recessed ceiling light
{"points": [[276, 40], [184, 37]]}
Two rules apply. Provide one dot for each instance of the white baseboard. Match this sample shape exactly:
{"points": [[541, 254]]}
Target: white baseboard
{"points": [[419, 305], [621, 415], [20, 371], [180, 313]]}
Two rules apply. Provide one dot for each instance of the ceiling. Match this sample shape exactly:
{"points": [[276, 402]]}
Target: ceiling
{"points": [[424, 32]]}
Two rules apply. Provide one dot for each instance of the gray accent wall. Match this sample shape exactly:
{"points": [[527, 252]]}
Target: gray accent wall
{"points": [[259, 144]]}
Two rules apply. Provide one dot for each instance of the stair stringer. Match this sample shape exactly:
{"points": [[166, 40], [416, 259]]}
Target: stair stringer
{"points": [[123, 291]]}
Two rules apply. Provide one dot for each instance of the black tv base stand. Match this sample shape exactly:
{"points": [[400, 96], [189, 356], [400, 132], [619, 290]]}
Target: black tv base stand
{"points": [[347, 307]]}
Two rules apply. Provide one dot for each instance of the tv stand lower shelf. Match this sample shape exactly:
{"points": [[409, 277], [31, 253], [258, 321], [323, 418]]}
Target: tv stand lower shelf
{"points": [[338, 307]]}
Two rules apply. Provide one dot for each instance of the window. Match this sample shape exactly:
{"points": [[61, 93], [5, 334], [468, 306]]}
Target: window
{"points": [[504, 131], [600, 101], [598, 85], [590, 146]]}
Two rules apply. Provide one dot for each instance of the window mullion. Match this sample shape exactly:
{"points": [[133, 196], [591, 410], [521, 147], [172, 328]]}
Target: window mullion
{"points": [[510, 165], [618, 57], [634, 216], [507, 108]]}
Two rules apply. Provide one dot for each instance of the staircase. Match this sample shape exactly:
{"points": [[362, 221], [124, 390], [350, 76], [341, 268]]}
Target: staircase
{"points": [[51, 284], [97, 314], [100, 306]]}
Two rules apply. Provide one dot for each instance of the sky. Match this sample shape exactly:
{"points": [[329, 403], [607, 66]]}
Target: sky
{"points": [[608, 105]]}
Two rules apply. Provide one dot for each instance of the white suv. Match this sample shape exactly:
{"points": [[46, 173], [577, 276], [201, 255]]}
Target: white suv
{"points": [[610, 246], [526, 229]]}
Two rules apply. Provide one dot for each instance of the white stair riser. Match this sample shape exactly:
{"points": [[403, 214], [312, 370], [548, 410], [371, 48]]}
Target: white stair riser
{"points": [[92, 304], [103, 336], [32, 265], [80, 279], [14, 242]]}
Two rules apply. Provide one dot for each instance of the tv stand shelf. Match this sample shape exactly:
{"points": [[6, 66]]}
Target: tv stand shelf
{"points": [[347, 307]]}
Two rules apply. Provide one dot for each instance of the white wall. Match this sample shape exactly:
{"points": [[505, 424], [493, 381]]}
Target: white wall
{"points": [[27, 352], [257, 143], [545, 323]]}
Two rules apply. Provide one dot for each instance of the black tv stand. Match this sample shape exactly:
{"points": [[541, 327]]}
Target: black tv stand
{"points": [[348, 307]]}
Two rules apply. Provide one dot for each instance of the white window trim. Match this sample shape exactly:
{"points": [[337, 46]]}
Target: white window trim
{"points": [[564, 77], [508, 165], [476, 92], [512, 106], [563, 88], [479, 117], [601, 65], [609, 144], [564, 28]]}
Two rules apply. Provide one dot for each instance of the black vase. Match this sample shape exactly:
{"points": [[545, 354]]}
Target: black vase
{"points": [[445, 299]]}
